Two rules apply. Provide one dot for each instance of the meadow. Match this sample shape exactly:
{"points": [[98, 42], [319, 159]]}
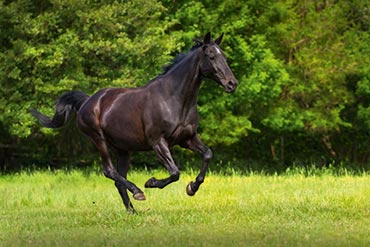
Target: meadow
{"points": [[79, 208]]}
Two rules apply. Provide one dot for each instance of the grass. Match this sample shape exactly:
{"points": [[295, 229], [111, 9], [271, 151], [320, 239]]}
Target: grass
{"points": [[77, 209]]}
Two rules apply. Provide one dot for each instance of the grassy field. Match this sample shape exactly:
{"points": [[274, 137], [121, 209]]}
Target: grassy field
{"points": [[78, 209]]}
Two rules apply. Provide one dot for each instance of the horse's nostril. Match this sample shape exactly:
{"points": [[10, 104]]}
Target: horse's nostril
{"points": [[231, 84]]}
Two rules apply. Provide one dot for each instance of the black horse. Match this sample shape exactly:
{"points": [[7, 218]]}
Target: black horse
{"points": [[157, 116]]}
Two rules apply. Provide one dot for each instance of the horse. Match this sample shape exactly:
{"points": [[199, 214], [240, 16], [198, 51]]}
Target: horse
{"points": [[156, 116]]}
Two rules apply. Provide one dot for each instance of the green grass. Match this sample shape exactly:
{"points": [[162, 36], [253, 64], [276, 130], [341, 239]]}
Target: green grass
{"points": [[77, 209]]}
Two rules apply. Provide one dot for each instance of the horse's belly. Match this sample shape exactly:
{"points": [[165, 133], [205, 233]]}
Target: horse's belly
{"points": [[126, 136], [126, 143]]}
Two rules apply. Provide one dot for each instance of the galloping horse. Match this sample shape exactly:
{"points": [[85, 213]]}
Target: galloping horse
{"points": [[157, 116]]}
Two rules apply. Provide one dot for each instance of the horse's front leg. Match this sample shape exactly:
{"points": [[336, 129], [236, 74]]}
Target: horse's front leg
{"points": [[196, 145], [164, 154]]}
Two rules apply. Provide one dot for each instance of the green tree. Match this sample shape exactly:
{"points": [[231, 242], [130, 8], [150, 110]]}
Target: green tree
{"points": [[66, 45], [225, 119], [318, 42], [49, 47], [303, 68]]}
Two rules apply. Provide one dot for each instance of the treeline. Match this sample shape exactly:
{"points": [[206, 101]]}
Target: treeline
{"points": [[303, 68]]}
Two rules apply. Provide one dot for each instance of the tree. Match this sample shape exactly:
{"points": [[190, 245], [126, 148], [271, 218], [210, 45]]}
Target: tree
{"points": [[303, 68], [49, 47]]}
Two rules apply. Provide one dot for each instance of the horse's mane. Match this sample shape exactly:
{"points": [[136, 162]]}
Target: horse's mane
{"points": [[179, 57]]}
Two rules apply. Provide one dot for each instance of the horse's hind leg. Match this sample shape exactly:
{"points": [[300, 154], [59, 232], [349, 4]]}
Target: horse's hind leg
{"points": [[123, 166], [108, 168]]}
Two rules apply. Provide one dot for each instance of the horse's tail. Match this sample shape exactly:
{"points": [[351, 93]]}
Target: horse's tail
{"points": [[69, 102]]}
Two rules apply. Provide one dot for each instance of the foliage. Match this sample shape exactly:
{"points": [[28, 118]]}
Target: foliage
{"points": [[68, 45], [303, 69]]}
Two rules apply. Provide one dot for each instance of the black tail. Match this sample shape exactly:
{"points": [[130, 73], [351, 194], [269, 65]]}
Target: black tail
{"points": [[67, 103]]}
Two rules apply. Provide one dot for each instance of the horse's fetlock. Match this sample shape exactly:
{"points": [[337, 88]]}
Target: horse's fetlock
{"points": [[175, 176], [200, 179]]}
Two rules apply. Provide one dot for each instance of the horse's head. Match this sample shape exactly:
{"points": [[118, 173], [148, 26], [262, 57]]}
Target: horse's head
{"points": [[213, 64]]}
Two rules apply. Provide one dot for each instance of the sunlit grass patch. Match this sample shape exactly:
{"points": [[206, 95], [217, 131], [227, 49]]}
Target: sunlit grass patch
{"points": [[78, 208]]}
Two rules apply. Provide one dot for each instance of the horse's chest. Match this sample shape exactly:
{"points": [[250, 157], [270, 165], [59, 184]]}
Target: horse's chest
{"points": [[176, 123]]}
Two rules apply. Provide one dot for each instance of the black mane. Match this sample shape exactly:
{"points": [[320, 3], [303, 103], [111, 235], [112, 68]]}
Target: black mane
{"points": [[179, 57]]}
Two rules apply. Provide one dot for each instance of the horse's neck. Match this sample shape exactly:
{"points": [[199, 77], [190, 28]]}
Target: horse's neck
{"points": [[185, 80]]}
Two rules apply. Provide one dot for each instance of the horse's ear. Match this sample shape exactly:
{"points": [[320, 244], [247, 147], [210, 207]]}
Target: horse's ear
{"points": [[219, 39], [207, 38]]}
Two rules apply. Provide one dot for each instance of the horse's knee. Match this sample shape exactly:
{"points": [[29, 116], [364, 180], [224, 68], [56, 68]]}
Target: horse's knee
{"points": [[208, 155]]}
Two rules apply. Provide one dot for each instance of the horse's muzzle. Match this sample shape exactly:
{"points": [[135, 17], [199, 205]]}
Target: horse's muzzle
{"points": [[230, 86]]}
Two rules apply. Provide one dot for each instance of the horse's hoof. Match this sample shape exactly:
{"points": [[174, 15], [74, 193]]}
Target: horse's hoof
{"points": [[139, 196], [150, 183], [189, 191]]}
